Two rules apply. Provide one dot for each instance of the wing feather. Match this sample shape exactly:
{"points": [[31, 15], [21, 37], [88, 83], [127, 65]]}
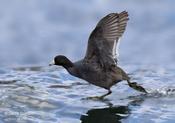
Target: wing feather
{"points": [[104, 38]]}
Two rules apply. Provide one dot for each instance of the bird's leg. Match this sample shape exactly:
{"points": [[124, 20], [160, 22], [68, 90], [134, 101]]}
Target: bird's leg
{"points": [[100, 97], [104, 95], [137, 87]]}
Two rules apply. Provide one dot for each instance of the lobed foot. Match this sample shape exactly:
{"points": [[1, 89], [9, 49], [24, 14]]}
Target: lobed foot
{"points": [[95, 98], [100, 97], [137, 87]]}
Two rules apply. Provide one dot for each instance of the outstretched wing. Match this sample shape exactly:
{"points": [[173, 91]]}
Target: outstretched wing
{"points": [[104, 38]]}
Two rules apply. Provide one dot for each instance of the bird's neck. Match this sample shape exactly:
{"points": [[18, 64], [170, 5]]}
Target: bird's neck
{"points": [[73, 71], [68, 65]]}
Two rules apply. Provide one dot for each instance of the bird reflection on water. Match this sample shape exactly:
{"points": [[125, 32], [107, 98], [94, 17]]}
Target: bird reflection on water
{"points": [[106, 115], [111, 114]]}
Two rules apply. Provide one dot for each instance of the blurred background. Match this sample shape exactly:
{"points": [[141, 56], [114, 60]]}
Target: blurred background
{"points": [[32, 32]]}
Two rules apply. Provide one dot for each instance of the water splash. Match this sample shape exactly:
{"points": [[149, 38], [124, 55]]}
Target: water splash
{"points": [[162, 92]]}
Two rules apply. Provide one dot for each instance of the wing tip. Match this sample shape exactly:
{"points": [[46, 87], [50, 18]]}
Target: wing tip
{"points": [[124, 14]]}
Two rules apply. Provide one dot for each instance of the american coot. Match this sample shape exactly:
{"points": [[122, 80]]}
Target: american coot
{"points": [[99, 66]]}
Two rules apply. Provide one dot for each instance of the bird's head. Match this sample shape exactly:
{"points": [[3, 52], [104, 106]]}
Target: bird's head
{"points": [[61, 60]]}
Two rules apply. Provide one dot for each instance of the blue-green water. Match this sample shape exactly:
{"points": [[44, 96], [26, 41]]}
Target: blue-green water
{"points": [[33, 32]]}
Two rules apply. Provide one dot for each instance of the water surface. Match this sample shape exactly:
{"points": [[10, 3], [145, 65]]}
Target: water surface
{"points": [[50, 94]]}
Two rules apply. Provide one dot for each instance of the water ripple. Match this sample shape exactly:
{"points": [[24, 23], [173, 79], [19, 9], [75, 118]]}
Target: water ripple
{"points": [[39, 94]]}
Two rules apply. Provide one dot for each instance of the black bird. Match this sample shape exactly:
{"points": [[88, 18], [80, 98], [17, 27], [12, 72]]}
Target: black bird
{"points": [[99, 66]]}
